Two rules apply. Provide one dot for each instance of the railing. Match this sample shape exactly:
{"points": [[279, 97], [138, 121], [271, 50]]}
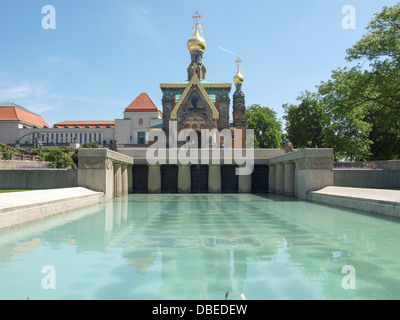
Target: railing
{"points": [[23, 157]]}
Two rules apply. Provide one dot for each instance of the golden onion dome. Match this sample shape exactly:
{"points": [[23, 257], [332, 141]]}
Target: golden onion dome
{"points": [[196, 42], [238, 78]]}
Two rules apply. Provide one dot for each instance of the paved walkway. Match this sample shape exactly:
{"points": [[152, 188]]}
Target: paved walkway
{"points": [[386, 202], [20, 207]]}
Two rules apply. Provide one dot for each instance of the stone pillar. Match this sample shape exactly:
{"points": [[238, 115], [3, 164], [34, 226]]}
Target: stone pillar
{"points": [[288, 178], [214, 178], [130, 179], [296, 178], [271, 178], [184, 179], [245, 184], [124, 177], [154, 179], [279, 178], [117, 180]]}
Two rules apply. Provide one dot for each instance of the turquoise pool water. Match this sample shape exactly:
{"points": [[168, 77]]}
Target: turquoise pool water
{"points": [[199, 247]]}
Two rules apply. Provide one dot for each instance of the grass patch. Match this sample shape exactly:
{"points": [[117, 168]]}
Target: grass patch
{"points": [[16, 190]]}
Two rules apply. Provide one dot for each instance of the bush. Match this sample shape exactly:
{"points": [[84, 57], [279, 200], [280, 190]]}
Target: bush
{"points": [[6, 155], [59, 157], [63, 161], [94, 145], [6, 148], [34, 152]]}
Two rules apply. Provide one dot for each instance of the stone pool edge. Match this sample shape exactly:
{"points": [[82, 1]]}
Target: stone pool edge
{"points": [[375, 201], [18, 208]]}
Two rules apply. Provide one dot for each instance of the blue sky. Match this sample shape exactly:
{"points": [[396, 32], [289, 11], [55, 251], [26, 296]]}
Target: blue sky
{"points": [[104, 53]]}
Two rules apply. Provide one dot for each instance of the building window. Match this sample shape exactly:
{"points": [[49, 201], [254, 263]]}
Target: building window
{"points": [[100, 138], [85, 137], [140, 122], [141, 138], [80, 138], [90, 137], [56, 137]]}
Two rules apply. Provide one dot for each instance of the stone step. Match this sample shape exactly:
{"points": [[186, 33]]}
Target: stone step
{"points": [[378, 201], [22, 207]]}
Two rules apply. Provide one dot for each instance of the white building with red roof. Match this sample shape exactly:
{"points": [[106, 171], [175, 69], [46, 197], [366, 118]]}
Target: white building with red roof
{"points": [[139, 116], [14, 118], [21, 126]]}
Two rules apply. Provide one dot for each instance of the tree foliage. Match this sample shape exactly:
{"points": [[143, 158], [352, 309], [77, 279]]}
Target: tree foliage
{"points": [[306, 122], [59, 157], [267, 128], [361, 104]]}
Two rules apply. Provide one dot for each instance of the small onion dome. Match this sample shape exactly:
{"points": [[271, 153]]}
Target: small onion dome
{"points": [[238, 78], [196, 42]]}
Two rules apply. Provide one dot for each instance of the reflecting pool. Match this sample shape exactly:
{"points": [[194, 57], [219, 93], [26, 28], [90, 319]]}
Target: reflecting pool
{"points": [[199, 246]]}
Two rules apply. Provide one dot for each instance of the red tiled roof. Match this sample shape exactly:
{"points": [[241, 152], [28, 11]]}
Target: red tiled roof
{"points": [[83, 124], [142, 103], [13, 113]]}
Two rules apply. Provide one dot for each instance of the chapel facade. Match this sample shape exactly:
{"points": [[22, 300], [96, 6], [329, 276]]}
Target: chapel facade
{"points": [[198, 103]]}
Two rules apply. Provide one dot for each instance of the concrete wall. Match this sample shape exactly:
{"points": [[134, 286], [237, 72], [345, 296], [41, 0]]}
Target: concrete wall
{"points": [[38, 179], [366, 178], [19, 164], [380, 164]]}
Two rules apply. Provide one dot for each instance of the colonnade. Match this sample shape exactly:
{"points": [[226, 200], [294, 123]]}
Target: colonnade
{"points": [[122, 180], [185, 179], [297, 173], [106, 171], [283, 178]]}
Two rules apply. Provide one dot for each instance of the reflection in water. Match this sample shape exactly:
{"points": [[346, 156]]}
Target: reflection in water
{"points": [[201, 246]]}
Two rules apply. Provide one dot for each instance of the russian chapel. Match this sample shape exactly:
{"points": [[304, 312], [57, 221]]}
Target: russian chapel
{"points": [[198, 103]]}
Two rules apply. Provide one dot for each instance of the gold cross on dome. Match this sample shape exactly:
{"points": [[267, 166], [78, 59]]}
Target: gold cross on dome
{"points": [[238, 67], [196, 17]]}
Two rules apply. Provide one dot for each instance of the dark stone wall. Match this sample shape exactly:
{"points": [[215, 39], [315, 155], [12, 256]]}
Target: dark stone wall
{"points": [[199, 178], [229, 179], [140, 173], [259, 179], [169, 178]]}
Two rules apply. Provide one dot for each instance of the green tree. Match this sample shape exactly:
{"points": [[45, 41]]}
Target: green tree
{"points": [[306, 123], [267, 128], [380, 46], [361, 103], [348, 129]]}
